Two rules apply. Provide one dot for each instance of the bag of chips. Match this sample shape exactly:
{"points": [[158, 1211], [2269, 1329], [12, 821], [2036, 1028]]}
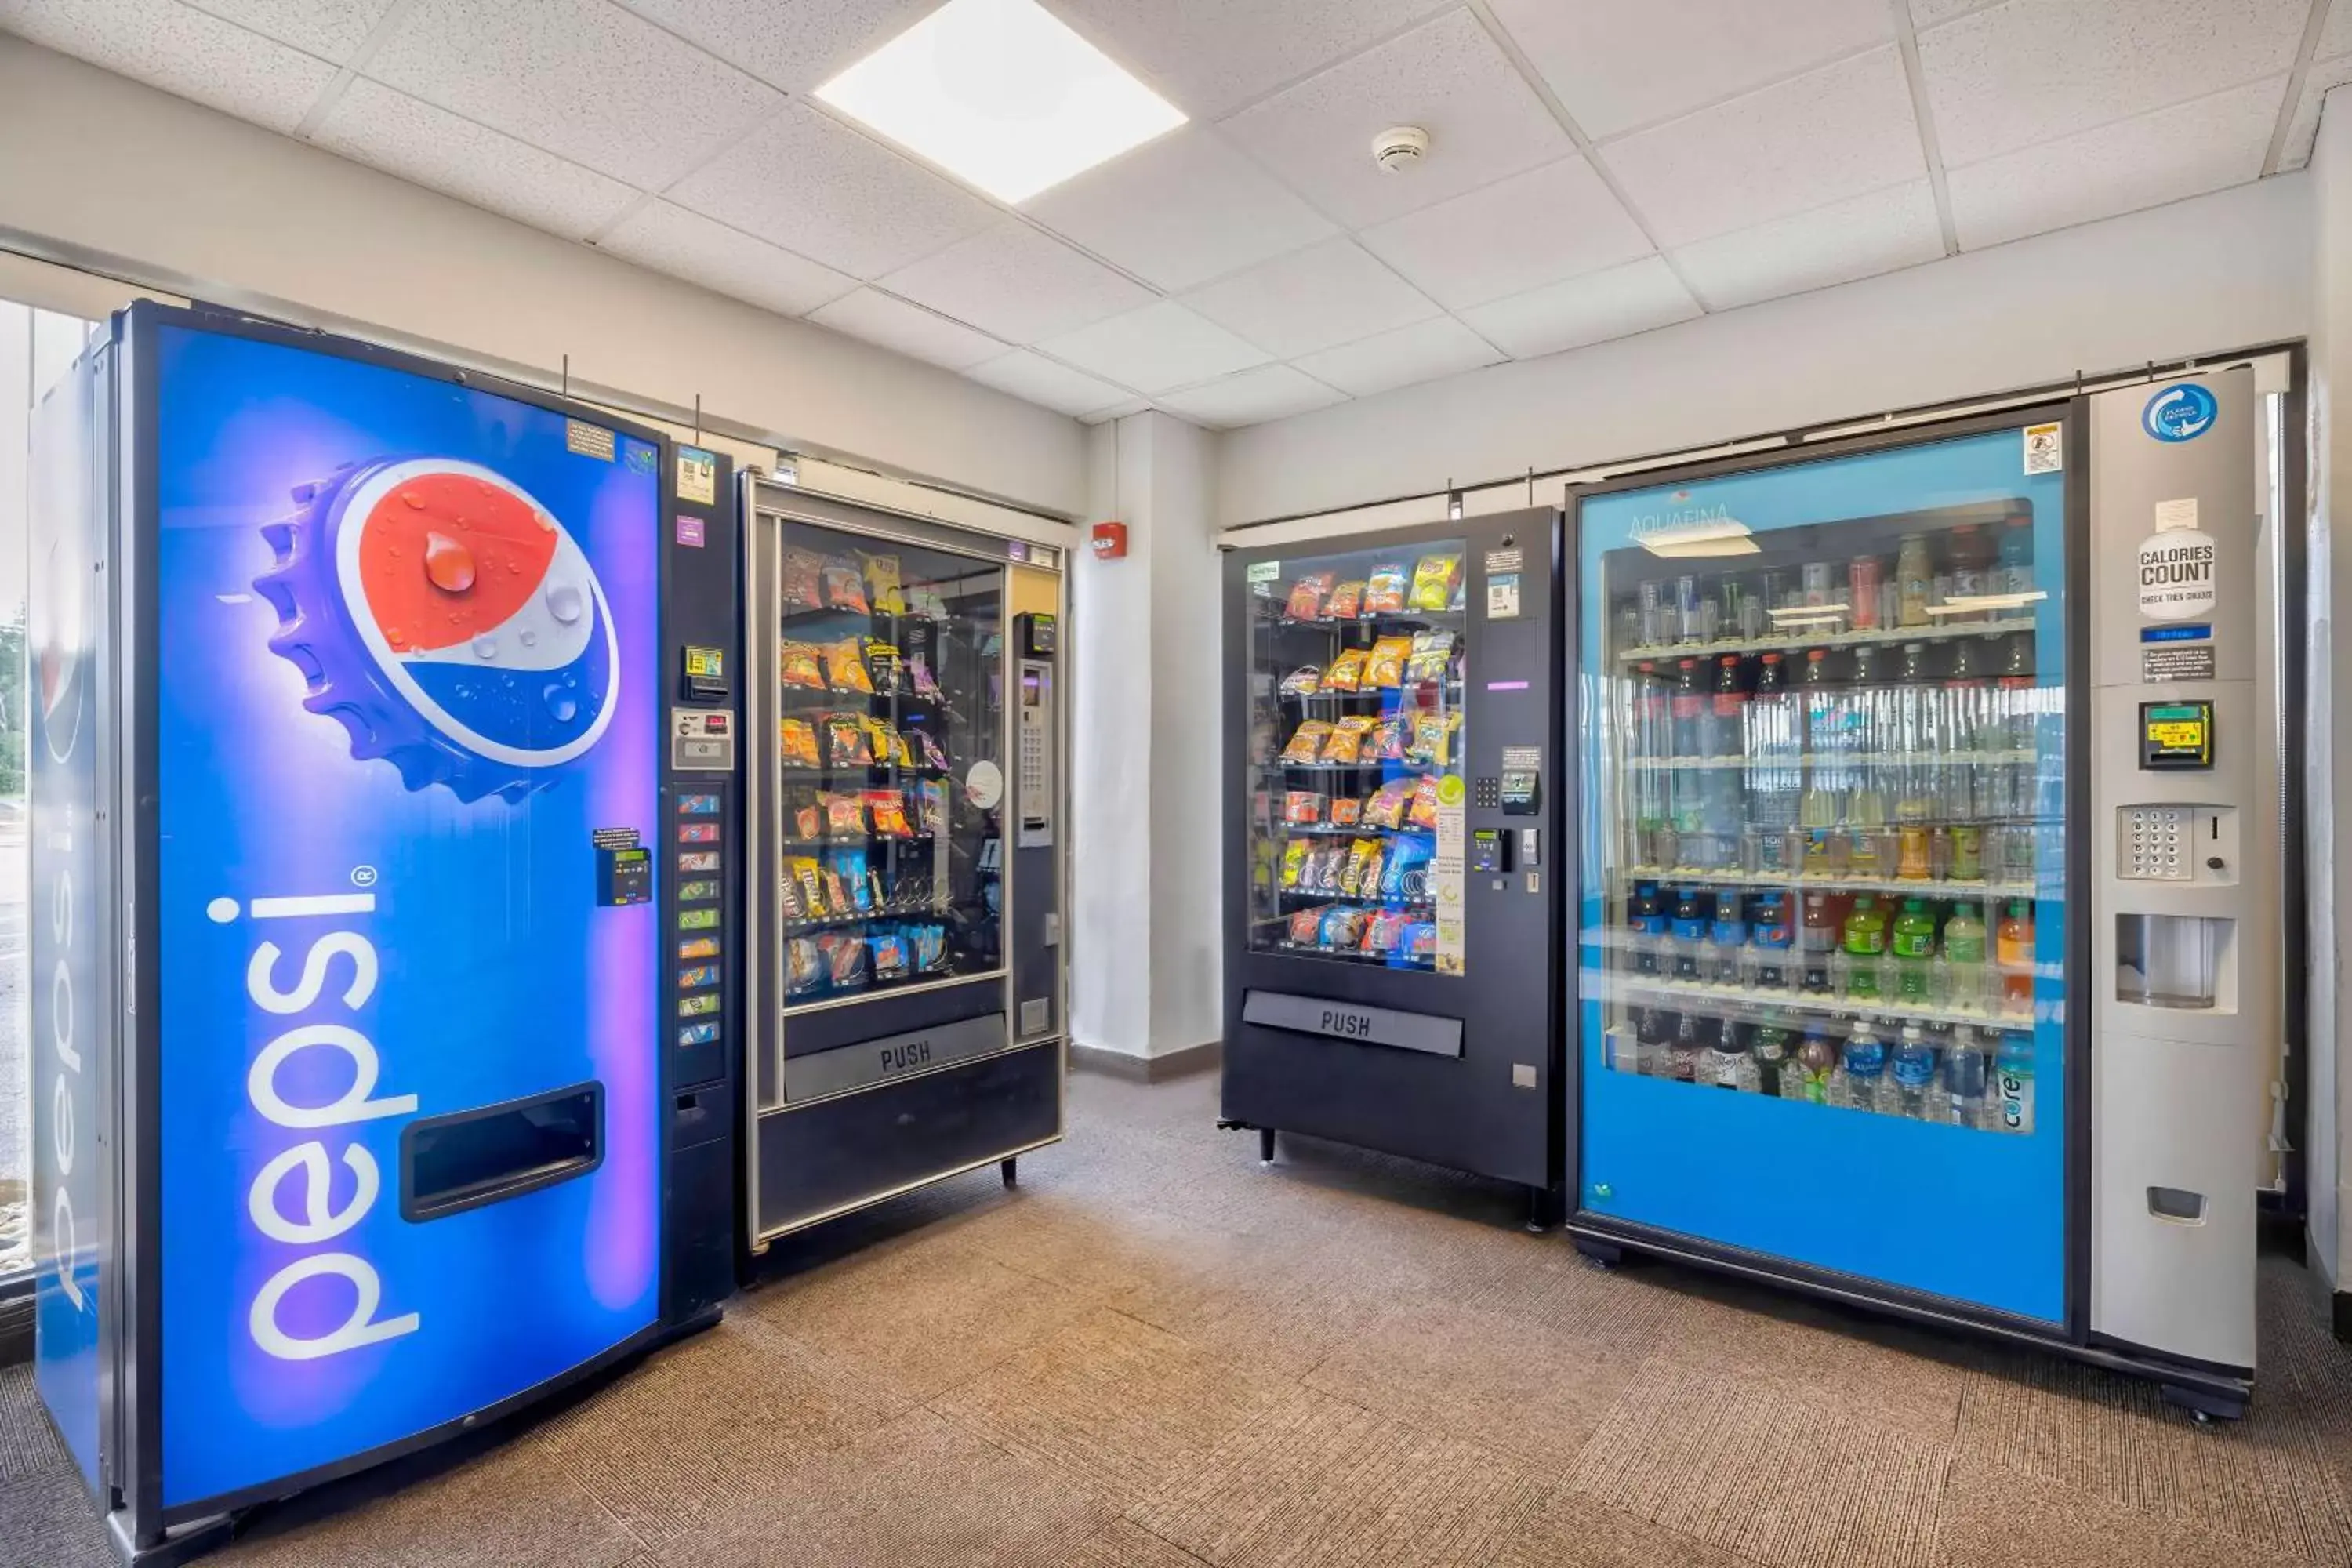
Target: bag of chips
{"points": [[1347, 672], [1433, 581], [931, 794], [1385, 667], [1303, 681], [882, 736], [1307, 595], [845, 587], [1387, 806], [882, 664], [1432, 738], [1302, 808], [1384, 930], [1307, 927], [808, 821], [846, 741], [844, 815], [1342, 927], [1347, 601], [887, 807], [1347, 741], [796, 739], [1432, 652], [1347, 811], [844, 667], [804, 580], [1420, 941], [1294, 863], [1307, 740], [1423, 812], [1384, 594], [933, 755], [1386, 742], [804, 967], [904, 754], [882, 583], [799, 665]]}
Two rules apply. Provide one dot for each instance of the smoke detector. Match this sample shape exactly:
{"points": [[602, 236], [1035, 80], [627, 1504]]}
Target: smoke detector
{"points": [[1399, 147]]}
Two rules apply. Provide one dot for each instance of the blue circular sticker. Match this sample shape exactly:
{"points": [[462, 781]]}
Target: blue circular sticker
{"points": [[2179, 412]]}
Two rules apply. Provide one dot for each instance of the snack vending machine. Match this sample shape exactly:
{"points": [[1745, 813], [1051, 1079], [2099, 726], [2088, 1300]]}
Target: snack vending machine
{"points": [[1929, 825], [358, 1123], [1396, 742], [907, 999]]}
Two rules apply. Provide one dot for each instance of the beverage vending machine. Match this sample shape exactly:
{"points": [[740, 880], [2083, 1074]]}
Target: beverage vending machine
{"points": [[364, 1119], [1930, 856], [1393, 915], [907, 1011]]}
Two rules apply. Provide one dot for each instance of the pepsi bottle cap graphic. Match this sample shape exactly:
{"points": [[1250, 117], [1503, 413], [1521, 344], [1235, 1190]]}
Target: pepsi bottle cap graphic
{"points": [[447, 620]]}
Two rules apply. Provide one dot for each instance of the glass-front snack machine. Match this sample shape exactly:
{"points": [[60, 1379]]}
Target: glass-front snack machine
{"points": [[1394, 737], [1929, 822], [907, 998]]}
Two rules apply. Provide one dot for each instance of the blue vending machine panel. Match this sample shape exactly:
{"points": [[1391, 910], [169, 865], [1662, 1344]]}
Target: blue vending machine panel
{"points": [[1824, 858], [407, 1075]]}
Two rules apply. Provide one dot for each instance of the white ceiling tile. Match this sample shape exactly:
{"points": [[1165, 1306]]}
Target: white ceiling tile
{"points": [[1615, 66], [2034, 70], [168, 46], [880, 317], [725, 260], [1857, 237], [1213, 56], [2183, 150], [331, 29], [2323, 77], [1180, 210], [1515, 235], [1039, 380], [811, 184], [1115, 411], [1447, 77], [1018, 284], [579, 77], [1312, 299], [1613, 304], [2335, 32], [1927, 14], [1424, 351], [1157, 349], [371, 124], [1803, 143], [1269, 391], [798, 46]]}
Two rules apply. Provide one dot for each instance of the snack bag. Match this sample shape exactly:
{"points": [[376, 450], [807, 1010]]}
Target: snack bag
{"points": [[882, 736], [1367, 880], [1420, 942], [790, 900], [904, 752], [889, 951], [1385, 667], [799, 665], [888, 809], [1294, 863], [1406, 875], [804, 969], [1347, 811], [808, 821], [804, 870], [1302, 808], [1386, 742], [933, 757], [923, 683], [1360, 854], [1303, 681], [850, 866], [1387, 806], [1347, 741], [845, 587], [844, 667], [1307, 595], [1384, 595], [1433, 578], [882, 664], [1324, 864], [1432, 652], [844, 815], [1307, 927], [931, 946], [1384, 930], [804, 580], [1347, 601], [1423, 812], [846, 741], [844, 957], [1307, 740], [1347, 672], [1433, 737], [882, 583], [1342, 927], [932, 795], [797, 740]]}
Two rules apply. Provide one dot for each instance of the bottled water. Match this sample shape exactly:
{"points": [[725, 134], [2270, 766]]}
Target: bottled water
{"points": [[1967, 1076], [1912, 1074], [2013, 1079], [1860, 1080]]}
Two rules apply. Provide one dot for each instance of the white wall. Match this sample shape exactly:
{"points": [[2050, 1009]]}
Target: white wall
{"points": [[97, 170], [2221, 272], [2327, 778]]}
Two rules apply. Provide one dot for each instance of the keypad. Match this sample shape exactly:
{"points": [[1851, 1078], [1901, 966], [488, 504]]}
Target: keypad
{"points": [[2156, 842]]}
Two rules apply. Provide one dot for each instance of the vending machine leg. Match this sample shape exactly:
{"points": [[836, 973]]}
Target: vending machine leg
{"points": [[1010, 1170], [1266, 1145], [1538, 1210]]}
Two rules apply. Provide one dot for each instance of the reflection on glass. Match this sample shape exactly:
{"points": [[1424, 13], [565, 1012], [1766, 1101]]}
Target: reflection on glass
{"points": [[1831, 781], [889, 738], [1355, 689]]}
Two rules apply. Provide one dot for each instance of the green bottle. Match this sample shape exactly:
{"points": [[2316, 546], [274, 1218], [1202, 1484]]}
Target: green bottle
{"points": [[1915, 951], [1866, 944]]}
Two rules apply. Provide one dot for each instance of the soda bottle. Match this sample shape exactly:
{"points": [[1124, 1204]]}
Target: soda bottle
{"points": [[1813, 1072], [1691, 918], [1914, 580], [1865, 943], [1914, 941], [1684, 1051], [2013, 949], [1767, 966], [1723, 806], [1768, 1048], [1971, 555], [1775, 767], [1727, 938], [2013, 567], [1963, 958], [1968, 1074], [1911, 1075], [2013, 1081], [1728, 1065], [1729, 706], [1657, 1027], [1690, 742], [1646, 913], [1967, 862], [1861, 1074], [1689, 739], [1817, 940]]}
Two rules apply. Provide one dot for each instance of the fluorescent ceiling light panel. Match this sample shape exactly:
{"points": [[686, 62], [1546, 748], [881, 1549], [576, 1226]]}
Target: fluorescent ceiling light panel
{"points": [[1003, 96]]}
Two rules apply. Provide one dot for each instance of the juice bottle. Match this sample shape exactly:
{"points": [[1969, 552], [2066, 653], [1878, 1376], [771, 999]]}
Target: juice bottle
{"points": [[1817, 939], [1914, 941], [2013, 947], [1865, 943], [1963, 958]]}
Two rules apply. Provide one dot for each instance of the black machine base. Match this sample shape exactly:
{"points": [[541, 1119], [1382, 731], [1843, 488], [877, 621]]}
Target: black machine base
{"points": [[2206, 1393], [1539, 1199]]}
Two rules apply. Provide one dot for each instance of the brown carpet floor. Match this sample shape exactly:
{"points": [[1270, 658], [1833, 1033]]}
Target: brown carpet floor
{"points": [[1155, 1353]]}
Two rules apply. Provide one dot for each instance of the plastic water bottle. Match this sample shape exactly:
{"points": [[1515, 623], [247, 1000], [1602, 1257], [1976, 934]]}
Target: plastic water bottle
{"points": [[2013, 1079], [1860, 1077], [1913, 1074], [1688, 737], [1968, 1074], [1775, 767]]}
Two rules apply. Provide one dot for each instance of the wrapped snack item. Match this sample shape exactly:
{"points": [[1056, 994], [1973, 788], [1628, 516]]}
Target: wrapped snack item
{"points": [[1347, 811], [808, 820], [844, 815], [1384, 930], [882, 583], [1360, 854], [845, 587], [804, 580], [1386, 742], [1424, 811], [810, 879], [919, 678], [1347, 601], [799, 664], [852, 867], [882, 664], [1303, 681], [1421, 941], [1432, 652], [1385, 664], [1307, 740], [887, 807], [882, 736], [1307, 595], [804, 967], [933, 796], [1347, 741], [1385, 591], [1347, 672], [846, 741], [1387, 806], [890, 958], [933, 756], [1433, 737], [796, 740], [930, 942], [845, 958], [1406, 875], [1294, 863], [1306, 926], [1302, 808], [1342, 927], [1434, 579], [845, 667]]}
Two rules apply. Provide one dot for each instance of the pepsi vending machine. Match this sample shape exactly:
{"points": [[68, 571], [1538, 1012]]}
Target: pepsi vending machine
{"points": [[379, 709]]}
